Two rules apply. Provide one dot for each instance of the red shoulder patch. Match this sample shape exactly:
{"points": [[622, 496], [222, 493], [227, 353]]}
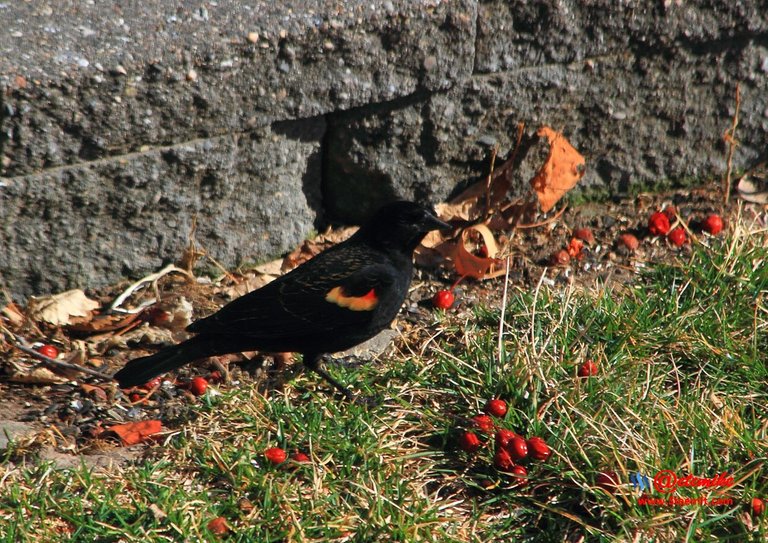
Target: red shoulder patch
{"points": [[366, 302]]}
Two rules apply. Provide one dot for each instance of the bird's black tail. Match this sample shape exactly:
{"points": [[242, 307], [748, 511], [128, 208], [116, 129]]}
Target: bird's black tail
{"points": [[140, 370]]}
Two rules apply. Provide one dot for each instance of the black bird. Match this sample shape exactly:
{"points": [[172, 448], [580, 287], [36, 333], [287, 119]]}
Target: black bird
{"points": [[340, 298]]}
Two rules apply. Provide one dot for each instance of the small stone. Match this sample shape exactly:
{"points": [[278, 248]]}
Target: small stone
{"points": [[11, 430], [430, 62], [253, 37], [328, 45], [487, 140], [120, 70], [191, 75]]}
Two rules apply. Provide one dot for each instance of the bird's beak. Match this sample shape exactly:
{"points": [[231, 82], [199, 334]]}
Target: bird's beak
{"points": [[433, 223]]}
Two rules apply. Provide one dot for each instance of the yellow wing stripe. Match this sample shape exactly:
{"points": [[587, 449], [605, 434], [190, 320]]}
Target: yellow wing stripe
{"points": [[366, 302]]}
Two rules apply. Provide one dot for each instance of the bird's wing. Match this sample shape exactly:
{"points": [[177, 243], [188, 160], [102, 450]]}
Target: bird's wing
{"points": [[321, 297]]}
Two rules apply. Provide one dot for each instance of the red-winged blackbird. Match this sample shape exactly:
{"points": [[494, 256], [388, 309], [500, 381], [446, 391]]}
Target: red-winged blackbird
{"points": [[340, 298]]}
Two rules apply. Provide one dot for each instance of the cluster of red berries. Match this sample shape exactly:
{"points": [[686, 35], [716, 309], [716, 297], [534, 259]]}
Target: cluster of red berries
{"points": [[197, 385], [587, 369], [661, 223], [574, 249], [510, 448], [278, 455]]}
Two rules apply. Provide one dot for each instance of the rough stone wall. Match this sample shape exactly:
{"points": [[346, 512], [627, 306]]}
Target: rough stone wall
{"points": [[122, 122]]}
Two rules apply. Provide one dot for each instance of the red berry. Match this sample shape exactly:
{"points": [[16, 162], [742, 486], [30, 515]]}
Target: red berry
{"points": [[198, 386], [518, 448], [629, 241], [758, 507], [484, 423], [443, 299], [538, 449], [215, 377], [502, 460], [496, 407], [713, 225], [218, 526], [678, 237], [588, 369], [134, 397], [521, 474], [300, 457], [560, 258], [608, 481], [658, 224], [574, 248], [276, 455], [48, 350], [584, 234], [503, 437], [469, 442], [152, 383]]}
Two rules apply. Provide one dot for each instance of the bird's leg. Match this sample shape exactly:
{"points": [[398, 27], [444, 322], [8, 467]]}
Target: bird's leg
{"points": [[312, 361]]}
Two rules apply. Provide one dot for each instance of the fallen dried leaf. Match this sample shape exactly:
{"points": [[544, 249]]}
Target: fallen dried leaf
{"points": [[470, 265], [249, 283], [13, 314], [59, 309], [753, 191], [561, 171], [313, 247], [37, 375], [132, 433], [104, 323], [95, 392]]}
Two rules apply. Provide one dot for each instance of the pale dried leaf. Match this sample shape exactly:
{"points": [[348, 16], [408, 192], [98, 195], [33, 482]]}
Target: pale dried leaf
{"points": [[490, 242], [60, 309], [38, 375], [250, 283], [180, 314], [13, 314], [752, 191], [273, 268], [311, 248]]}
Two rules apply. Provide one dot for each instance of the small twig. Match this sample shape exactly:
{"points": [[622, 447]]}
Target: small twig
{"points": [[22, 344], [500, 347], [544, 222], [520, 132], [489, 181], [730, 137], [152, 278]]}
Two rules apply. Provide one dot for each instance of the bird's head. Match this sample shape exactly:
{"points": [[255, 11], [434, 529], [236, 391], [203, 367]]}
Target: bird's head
{"points": [[401, 225]]}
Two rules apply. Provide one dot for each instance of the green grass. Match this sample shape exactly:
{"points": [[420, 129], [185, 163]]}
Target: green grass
{"points": [[683, 386]]}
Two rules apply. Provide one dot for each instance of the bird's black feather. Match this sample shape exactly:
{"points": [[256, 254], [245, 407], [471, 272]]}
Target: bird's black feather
{"points": [[342, 297]]}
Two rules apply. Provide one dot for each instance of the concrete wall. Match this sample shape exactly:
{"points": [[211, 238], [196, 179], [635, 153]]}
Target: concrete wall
{"points": [[122, 122]]}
